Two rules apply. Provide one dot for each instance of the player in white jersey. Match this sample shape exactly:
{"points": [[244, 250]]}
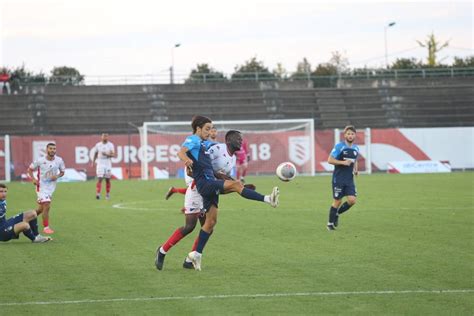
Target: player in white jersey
{"points": [[45, 171], [223, 161], [104, 151]]}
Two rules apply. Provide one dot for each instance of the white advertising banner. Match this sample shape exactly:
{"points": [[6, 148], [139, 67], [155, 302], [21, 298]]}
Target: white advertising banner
{"points": [[423, 166]]}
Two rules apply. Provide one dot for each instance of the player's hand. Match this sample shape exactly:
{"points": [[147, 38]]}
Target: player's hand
{"points": [[346, 163], [189, 172], [34, 181], [54, 178], [356, 173], [189, 164]]}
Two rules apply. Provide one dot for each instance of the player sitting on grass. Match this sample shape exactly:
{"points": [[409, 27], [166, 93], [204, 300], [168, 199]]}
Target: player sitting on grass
{"points": [[25, 223]]}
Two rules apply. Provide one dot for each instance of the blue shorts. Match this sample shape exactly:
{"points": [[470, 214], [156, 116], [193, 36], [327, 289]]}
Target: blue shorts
{"points": [[210, 190], [6, 229], [340, 190]]}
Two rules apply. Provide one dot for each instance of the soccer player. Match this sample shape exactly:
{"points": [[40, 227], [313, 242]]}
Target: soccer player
{"points": [[196, 156], [243, 157], [104, 151], [25, 222], [173, 190], [223, 161], [344, 158], [48, 170]]}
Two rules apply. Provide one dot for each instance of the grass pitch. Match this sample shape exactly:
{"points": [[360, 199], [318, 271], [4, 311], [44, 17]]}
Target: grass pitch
{"points": [[405, 248]]}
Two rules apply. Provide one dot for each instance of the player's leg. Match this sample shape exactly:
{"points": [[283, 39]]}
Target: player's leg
{"points": [[98, 187], [237, 186], [193, 206], [337, 196], [350, 193], [204, 234], [173, 190], [46, 228], [108, 186]]}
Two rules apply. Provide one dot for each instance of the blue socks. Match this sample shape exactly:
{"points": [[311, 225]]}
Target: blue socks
{"points": [[203, 238], [344, 208], [34, 226], [252, 195]]}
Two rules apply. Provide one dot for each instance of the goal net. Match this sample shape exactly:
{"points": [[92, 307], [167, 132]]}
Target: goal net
{"points": [[4, 158], [270, 142]]}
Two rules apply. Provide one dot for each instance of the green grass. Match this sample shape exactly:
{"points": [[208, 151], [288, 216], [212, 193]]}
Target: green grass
{"points": [[407, 233]]}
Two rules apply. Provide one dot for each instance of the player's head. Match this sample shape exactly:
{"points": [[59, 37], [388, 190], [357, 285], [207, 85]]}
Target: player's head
{"points": [[349, 133], [51, 150], [233, 139], [213, 133], [201, 126], [3, 191], [105, 137]]}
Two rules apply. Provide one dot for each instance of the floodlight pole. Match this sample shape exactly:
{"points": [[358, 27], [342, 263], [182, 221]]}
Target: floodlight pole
{"points": [[385, 40], [172, 62]]}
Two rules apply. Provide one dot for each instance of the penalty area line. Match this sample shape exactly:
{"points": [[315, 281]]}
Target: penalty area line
{"points": [[230, 296]]}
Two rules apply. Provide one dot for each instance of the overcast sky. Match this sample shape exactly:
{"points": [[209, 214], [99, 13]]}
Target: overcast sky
{"points": [[102, 37]]}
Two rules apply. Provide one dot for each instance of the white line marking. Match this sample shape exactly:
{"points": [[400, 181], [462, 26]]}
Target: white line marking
{"points": [[223, 296], [124, 206]]}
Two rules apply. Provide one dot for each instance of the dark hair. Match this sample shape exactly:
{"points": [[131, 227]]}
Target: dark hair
{"points": [[230, 134], [199, 121], [2, 185], [50, 144], [350, 128]]}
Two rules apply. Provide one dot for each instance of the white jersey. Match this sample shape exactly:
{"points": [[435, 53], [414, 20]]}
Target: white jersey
{"points": [[102, 151], [222, 161], [44, 170]]}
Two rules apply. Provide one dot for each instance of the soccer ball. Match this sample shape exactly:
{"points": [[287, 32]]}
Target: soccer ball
{"points": [[286, 171]]}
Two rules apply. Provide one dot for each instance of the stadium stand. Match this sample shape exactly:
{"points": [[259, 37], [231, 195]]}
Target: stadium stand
{"points": [[56, 110]]}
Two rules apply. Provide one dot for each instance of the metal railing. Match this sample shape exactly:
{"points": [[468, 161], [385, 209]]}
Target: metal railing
{"points": [[196, 78]]}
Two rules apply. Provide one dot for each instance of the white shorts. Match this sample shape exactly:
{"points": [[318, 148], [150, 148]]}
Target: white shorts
{"points": [[192, 201], [103, 171], [45, 192]]}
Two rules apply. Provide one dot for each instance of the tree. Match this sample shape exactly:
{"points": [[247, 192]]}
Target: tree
{"points": [[204, 73], [252, 70], [459, 62], [339, 61], [66, 76], [303, 69], [280, 72], [406, 63], [434, 47]]}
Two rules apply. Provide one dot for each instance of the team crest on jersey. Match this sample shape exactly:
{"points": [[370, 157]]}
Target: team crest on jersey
{"points": [[299, 149]]}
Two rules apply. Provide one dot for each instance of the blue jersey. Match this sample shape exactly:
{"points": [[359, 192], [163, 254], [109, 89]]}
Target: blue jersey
{"points": [[3, 211], [199, 154], [344, 174]]}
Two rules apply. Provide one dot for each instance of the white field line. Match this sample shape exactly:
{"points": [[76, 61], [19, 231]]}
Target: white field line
{"points": [[230, 296]]}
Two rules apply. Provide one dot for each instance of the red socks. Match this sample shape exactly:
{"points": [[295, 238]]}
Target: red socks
{"points": [[108, 184], [179, 190], [173, 240], [45, 222], [98, 187]]}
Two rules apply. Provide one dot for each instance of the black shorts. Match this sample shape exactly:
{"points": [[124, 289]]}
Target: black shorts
{"points": [[340, 190], [6, 229], [210, 190]]}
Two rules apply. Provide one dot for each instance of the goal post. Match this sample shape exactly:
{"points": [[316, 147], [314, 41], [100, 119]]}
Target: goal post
{"points": [[5, 170], [270, 142]]}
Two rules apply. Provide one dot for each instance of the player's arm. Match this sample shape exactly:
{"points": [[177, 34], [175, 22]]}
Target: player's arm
{"points": [[335, 162], [356, 168], [96, 154], [30, 173], [182, 155]]}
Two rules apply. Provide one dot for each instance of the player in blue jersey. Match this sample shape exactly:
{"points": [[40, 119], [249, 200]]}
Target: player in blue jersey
{"points": [[344, 158], [194, 152], [25, 223]]}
